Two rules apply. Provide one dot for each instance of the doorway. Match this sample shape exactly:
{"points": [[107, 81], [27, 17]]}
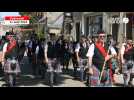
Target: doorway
{"points": [[78, 31]]}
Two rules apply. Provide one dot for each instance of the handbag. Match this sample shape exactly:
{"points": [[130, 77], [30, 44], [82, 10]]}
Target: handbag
{"points": [[118, 79]]}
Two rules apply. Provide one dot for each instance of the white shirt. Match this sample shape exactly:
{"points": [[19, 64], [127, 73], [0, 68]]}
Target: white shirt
{"points": [[5, 47], [90, 52], [77, 48], [45, 49], [30, 44], [113, 51], [37, 50], [122, 49]]}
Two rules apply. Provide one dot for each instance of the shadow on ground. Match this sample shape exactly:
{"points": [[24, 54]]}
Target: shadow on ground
{"points": [[28, 80]]}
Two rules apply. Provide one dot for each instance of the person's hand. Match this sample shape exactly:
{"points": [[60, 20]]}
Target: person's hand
{"points": [[107, 58], [78, 60], [123, 62], [3, 63], [46, 61], [91, 71]]}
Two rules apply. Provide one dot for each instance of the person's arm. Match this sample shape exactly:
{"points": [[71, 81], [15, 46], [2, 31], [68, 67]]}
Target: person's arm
{"points": [[36, 52], [113, 53], [77, 52], [4, 53], [90, 54], [45, 54], [122, 54]]}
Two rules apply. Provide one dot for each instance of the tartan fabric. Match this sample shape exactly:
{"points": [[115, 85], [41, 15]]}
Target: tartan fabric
{"points": [[94, 81], [7, 67], [54, 65], [125, 68], [82, 63]]}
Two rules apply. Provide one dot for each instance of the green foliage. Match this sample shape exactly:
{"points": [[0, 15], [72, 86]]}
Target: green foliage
{"points": [[41, 35], [33, 17]]}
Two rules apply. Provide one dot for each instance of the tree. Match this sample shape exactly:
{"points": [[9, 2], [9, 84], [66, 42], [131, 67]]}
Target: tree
{"points": [[32, 15]]}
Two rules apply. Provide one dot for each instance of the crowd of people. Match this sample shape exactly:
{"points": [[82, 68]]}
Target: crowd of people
{"points": [[95, 59]]}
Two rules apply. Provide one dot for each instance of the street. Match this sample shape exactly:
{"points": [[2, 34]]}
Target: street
{"points": [[26, 79]]}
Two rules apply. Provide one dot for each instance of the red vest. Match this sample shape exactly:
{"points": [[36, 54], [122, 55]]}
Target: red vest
{"points": [[11, 45]]}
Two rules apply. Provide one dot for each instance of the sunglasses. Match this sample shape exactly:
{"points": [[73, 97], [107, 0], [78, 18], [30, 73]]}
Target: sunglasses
{"points": [[102, 36]]}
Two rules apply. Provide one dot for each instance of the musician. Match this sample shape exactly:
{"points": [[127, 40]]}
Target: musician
{"points": [[81, 51], [97, 55], [11, 66], [127, 62]]}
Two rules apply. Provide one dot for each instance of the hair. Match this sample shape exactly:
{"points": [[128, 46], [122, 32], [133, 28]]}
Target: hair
{"points": [[83, 36], [3, 37]]}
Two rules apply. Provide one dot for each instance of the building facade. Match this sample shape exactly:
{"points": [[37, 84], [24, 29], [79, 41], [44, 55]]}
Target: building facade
{"points": [[51, 22], [89, 23]]}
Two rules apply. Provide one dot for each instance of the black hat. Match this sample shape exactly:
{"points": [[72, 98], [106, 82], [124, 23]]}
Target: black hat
{"points": [[7, 33]]}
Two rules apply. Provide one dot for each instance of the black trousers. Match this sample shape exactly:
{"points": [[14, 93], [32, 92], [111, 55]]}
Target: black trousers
{"points": [[11, 79], [1, 70], [43, 70]]}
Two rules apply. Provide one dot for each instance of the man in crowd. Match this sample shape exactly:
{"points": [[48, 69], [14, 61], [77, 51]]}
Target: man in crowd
{"points": [[52, 61], [127, 62], [97, 56], [81, 51], [11, 66]]}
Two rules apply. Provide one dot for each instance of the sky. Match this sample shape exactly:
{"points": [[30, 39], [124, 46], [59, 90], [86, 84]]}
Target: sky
{"points": [[2, 14]]}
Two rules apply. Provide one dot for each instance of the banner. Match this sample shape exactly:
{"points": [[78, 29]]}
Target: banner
{"points": [[16, 20]]}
